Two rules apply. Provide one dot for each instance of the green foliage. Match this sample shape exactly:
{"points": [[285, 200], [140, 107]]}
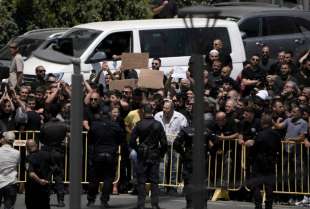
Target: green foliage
{"points": [[19, 16], [33, 14], [8, 27]]}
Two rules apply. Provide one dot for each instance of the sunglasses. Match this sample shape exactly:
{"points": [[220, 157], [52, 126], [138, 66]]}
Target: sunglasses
{"points": [[153, 63], [93, 99]]}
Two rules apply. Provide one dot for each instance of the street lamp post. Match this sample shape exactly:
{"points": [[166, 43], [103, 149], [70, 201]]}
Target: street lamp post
{"points": [[76, 136], [198, 183]]}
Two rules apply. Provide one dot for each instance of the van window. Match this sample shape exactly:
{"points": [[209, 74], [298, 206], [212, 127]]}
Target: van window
{"points": [[250, 27], [116, 44], [26, 47], [81, 38], [304, 25], [279, 26], [178, 41]]}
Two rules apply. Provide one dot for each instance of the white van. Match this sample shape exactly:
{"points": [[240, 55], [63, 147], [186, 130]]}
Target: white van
{"points": [[167, 39]]}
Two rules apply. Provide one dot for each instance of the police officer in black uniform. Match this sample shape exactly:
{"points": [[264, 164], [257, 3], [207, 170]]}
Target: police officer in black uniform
{"points": [[183, 144], [104, 138], [52, 136], [152, 147], [265, 148], [39, 163]]}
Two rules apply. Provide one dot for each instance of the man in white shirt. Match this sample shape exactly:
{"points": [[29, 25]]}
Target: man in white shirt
{"points": [[173, 122], [8, 170], [16, 68]]}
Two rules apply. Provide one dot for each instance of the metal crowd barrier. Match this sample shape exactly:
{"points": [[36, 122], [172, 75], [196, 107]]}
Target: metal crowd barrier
{"points": [[228, 168], [20, 145]]}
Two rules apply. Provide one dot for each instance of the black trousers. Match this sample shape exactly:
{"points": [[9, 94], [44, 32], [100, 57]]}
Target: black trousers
{"points": [[8, 194], [98, 169], [147, 172], [37, 196], [58, 170]]}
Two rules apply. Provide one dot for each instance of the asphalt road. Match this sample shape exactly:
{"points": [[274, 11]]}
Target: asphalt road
{"points": [[166, 202]]}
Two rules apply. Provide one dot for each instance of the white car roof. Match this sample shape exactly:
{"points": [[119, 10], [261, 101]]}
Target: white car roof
{"points": [[149, 24]]}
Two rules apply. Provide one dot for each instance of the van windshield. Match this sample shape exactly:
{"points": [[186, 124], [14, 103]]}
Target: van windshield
{"points": [[26, 46], [80, 40]]}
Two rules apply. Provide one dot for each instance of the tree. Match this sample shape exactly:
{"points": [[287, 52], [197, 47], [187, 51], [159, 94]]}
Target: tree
{"points": [[8, 27]]}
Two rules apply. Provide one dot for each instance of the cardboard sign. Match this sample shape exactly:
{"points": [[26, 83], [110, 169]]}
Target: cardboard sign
{"points": [[179, 72], [135, 60], [120, 84], [152, 79]]}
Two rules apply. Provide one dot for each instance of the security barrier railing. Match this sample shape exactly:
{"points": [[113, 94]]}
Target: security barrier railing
{"points": [[228, 168], [20, 145]]}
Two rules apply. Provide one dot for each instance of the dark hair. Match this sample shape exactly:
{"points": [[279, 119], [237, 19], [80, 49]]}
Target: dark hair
{"points": [[249, 109], [54, 109], [266, 120], [147, 108], [158, 59]]}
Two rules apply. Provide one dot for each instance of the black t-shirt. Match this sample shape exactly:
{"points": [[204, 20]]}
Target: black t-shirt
{"points": [[249, 130], [252, 74], [228, 129], [40, 163]]}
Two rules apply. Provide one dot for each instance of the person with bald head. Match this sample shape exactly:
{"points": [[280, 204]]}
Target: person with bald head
{"points": [[224, 129], [39, 172]]}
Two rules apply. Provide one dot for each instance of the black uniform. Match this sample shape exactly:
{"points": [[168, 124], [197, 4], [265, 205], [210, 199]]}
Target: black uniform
{"points": [[183, 144], [104, 138], [52, 136], [267, 144], [36, 195], [152, 147]]}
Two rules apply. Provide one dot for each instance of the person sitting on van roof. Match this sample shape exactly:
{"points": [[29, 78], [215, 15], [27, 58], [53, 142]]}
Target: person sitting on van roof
{"points": [[164, 8]]}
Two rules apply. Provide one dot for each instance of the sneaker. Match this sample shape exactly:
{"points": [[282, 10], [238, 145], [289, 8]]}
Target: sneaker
{"points": [[304, 202]]}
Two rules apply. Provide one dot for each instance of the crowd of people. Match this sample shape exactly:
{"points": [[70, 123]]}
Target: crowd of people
{"points": [[269, 100]]}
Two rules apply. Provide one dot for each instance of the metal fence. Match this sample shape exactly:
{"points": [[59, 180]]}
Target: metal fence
{"points": [[228, 168]]}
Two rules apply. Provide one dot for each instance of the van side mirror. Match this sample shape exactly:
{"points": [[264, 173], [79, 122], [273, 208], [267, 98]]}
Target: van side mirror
{"points": [[4, 72], [97, 57], [243, 35]]}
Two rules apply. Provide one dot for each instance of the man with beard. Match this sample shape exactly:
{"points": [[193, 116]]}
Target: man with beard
{"points": [[40, 78], [286, 74], [252, 76], [265, 60], [214, 76], [275, 67], [289, 93], [94, 107], [173, 122]]}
